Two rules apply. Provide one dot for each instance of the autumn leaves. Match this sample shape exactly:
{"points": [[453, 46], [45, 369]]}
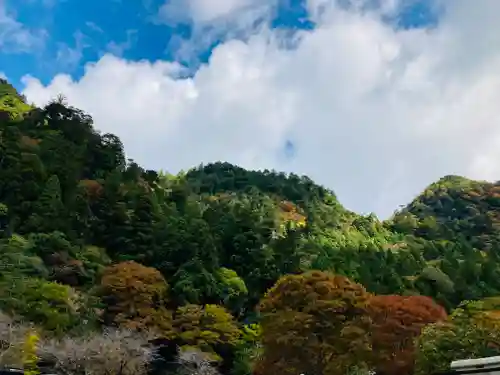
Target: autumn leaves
{"points": [[319, 323], [397, 321], [136, 298], [312, 323]]}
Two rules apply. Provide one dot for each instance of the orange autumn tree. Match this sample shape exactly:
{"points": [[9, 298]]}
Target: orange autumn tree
{"points": [[135, 297], [397, 322], [314, 323]]}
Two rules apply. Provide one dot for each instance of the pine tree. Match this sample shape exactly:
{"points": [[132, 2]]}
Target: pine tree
{"points": [[49, 213]]}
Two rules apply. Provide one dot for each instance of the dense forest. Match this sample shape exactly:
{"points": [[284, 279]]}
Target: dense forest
{"points": [[107, 268]]}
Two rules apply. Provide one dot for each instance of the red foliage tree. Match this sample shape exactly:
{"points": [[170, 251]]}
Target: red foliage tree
{"points": [[397, 322]]}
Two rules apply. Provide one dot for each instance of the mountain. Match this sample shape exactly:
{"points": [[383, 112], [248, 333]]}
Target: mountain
{"points": [[76, 218], [455, 208]]}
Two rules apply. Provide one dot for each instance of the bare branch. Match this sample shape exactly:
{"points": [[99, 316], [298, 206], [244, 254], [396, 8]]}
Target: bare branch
{"points": [[12, 336], [195, 362], [116, 352]]}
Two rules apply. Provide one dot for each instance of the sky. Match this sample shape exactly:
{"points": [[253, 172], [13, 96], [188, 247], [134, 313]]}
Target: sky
{"points": [[374, 99]]}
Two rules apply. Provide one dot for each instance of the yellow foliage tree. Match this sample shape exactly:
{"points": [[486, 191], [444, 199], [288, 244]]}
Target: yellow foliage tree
{"points": [[29, 354], [205, 327]]}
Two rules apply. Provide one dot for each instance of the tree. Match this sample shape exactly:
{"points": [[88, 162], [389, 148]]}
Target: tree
{"points": [[220, 234], [247, 350], [16, 259], [195, 362], [12, 336], [232, 289], [54, 306], [314, 323], [206, 327], [397, 322], [471, 331], [135, 297], [29, 353], [187, 254], [94, 260], [4, 219], [114, 352], [49, 213]]}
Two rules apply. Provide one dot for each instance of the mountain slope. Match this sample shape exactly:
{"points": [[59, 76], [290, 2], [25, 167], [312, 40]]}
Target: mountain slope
{"points": [[456, 208], [71, 206]]}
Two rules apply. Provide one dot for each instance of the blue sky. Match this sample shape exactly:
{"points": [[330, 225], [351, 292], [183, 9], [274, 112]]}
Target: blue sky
{"points": [[76, 32]]}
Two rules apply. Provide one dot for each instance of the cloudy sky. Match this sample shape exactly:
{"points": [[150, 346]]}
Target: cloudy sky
{"points": [[374, 99]]}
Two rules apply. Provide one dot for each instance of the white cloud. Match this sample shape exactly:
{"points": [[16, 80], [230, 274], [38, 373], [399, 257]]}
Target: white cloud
{"points": [[211, 21], [209, 11], [118, 48], [375, 113], [68, 57], [16, 37]]}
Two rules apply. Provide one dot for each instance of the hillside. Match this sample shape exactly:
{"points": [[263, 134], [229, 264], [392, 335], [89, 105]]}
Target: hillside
{"points": [[89, 239]]}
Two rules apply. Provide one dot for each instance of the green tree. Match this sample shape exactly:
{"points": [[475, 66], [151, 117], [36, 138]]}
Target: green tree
{"points": [[207, 328], [471, 332], [232, 289], [49, 213], [54, 306]]}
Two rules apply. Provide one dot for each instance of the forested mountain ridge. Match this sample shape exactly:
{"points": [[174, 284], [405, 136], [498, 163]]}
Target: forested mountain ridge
{"points": [[455, 206], [247, 267]]}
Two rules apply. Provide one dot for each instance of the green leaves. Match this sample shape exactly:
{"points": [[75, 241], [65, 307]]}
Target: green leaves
{"points": [[472, 331], [232, 289], [206, 327], [75, 214], [54, 306]]}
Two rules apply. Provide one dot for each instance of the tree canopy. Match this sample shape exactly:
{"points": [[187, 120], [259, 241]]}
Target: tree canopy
{"points": [[248, 272]]}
